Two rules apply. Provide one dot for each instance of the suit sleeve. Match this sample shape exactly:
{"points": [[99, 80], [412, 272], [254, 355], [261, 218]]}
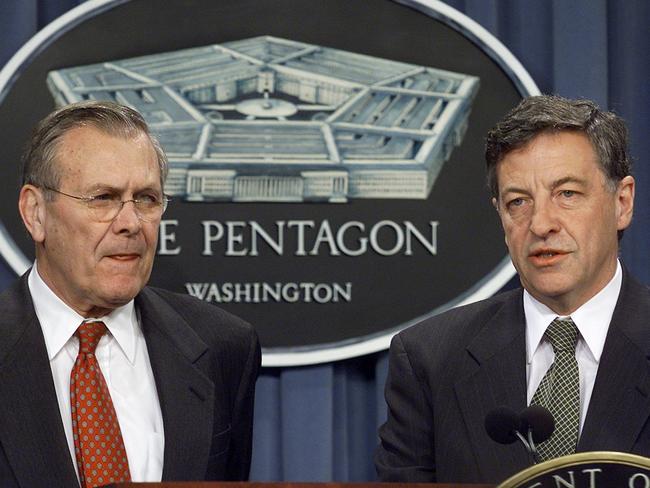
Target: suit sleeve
{"points": [[406, 449], [239, 461]]}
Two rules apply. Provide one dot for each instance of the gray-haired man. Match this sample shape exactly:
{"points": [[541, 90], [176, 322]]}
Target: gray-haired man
{"points": [[102, 378]]}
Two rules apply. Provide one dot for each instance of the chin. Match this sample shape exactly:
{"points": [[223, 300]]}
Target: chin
{"points": [[121, 293], [549, 289], [557, 295]]}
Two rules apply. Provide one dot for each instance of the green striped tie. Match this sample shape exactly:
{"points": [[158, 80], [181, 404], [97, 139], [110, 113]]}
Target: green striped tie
{"points": [[559, 390]]}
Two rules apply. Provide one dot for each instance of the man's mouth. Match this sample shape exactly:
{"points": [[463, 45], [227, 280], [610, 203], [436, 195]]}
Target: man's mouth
{"points": [[124, 257], [547, 253], [546, 257]]}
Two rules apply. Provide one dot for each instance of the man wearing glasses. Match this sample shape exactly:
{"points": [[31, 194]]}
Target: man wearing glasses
{"points": [[103, 379]]}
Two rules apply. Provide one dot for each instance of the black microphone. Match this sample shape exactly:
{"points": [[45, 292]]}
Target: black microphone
{"points": [[538, 422], [504, 426]]}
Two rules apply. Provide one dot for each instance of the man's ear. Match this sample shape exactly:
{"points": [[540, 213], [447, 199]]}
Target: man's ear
{"points": [[625, 202], [31, 205]]}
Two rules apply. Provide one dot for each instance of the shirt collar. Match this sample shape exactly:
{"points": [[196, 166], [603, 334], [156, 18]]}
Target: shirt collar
{"points": [[592, 318], [59, 322]]}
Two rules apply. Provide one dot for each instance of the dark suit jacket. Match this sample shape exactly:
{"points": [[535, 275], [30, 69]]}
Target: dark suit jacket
{"points": [[205, 363], [449, 371]]}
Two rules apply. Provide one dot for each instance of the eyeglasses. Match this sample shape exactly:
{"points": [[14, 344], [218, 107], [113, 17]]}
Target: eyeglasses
{"points": [[105, 207]]}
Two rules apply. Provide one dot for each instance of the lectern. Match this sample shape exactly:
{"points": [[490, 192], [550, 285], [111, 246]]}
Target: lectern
{"points": [[583, 470], [225, 484]]}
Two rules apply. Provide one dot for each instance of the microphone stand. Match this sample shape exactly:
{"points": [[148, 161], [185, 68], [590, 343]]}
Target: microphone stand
{"points": [[533, 448], [529, 444]]}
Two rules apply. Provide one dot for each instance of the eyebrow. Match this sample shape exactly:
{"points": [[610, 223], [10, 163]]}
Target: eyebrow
{"points": [[568, 179], [554, 185], [100, 187]]}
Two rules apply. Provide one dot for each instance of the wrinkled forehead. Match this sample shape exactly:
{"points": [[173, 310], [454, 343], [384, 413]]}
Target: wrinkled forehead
{"points": [[92, 154], [572, 148]]}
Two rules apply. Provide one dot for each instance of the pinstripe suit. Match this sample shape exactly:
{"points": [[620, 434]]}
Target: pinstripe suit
{"points": [[449, 371]]}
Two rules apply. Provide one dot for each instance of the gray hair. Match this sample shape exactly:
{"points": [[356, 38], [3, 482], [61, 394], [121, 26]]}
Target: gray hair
{"points": [[39, 159], [548, 113]]}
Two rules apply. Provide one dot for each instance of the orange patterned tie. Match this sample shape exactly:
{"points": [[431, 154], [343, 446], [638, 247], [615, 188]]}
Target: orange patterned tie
{"points": [[98, 444]]}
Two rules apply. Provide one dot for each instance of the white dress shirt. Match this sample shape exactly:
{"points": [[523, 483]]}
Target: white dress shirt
{"points": [[592, 320], [123, 358]]}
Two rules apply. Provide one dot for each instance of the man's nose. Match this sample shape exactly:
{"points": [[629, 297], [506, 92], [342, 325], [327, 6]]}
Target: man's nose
{"points": [[544, 218], [127, 219]]}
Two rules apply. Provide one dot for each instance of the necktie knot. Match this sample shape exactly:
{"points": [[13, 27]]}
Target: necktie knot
{"points": [[563, 334], [89, 334]]}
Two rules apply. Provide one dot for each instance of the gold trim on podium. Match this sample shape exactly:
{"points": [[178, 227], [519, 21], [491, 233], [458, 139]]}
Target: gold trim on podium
{"points": [[547, 467]]}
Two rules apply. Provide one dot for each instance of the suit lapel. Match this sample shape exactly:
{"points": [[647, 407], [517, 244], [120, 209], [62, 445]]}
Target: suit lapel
{"points": [[620, 402], [186, 394], [31, 431], [495, 376]]}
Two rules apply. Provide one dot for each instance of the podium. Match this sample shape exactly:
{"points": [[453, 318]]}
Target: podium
{"points": [[596, 469], [600, 469], [228, 484]]}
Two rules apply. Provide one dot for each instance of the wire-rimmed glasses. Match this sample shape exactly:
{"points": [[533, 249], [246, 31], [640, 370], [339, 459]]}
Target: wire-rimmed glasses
{"points": [[105, 207]]}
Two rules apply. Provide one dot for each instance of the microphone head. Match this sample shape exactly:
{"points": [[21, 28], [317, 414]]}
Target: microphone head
{"points": [[540, 422], [502, 425]]}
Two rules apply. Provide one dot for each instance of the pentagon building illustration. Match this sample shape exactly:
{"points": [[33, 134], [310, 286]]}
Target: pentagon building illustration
{"points": [[273, 120]]}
